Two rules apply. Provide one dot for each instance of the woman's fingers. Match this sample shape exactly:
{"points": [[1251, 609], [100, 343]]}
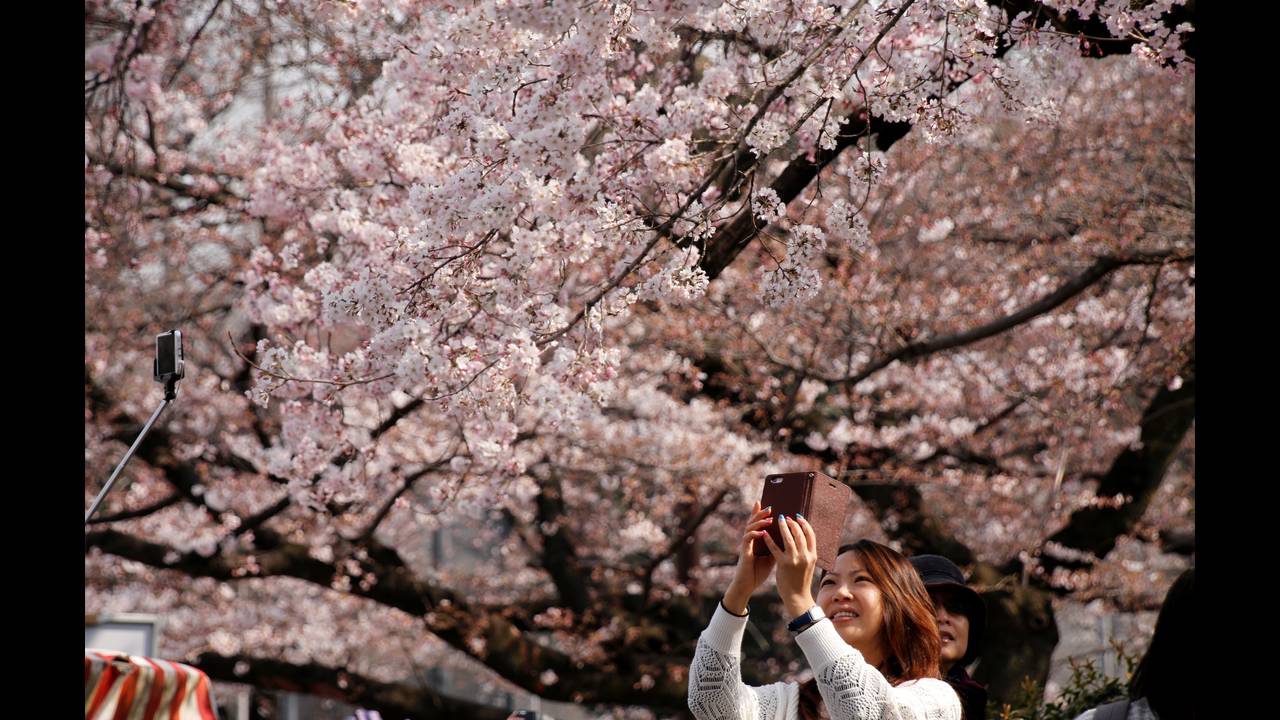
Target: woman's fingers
{"points": [[759, 524], [809, 535], [748, 549], [785, 528], [773, 546]]}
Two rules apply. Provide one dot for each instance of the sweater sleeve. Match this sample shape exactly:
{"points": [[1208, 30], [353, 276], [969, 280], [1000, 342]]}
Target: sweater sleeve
{"points": [[852, 689], [716, 690]]}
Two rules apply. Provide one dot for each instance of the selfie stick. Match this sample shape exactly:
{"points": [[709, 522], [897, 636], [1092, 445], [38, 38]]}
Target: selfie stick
{"points": [[170, 376]]}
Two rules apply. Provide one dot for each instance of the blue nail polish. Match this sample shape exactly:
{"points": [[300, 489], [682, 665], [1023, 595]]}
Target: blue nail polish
{"points": [[799, 516]]}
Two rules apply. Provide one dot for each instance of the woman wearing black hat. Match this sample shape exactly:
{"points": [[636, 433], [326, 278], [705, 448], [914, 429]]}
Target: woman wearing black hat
{"points": [[962, 616]]}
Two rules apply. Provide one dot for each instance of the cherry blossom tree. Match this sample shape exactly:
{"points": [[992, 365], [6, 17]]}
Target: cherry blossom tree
{"points": [[576, 278]]}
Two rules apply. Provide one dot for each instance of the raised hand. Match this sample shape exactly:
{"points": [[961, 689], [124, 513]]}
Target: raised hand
{"points": [[796, 559], [752, 571]]}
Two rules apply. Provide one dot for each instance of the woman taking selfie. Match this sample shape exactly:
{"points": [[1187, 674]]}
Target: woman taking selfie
{"points": [[870, 636]]}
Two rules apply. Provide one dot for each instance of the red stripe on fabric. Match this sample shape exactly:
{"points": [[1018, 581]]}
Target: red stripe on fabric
{"points": [[93, 672], [105, 681], [157, 690], [175, 707], [202, 697], [127, 691]]}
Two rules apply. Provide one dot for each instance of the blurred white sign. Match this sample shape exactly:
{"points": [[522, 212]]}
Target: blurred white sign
{"points": [[128, 633]]}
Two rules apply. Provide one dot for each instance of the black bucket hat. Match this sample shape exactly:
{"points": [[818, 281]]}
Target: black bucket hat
{"points": [[939, 573]]}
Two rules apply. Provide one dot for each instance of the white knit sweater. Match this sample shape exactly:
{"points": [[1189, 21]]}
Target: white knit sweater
{"points": [[850, 688]]}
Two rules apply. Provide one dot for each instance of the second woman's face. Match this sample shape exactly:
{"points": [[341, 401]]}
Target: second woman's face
{"points": [[853, 602], [953, 626]]}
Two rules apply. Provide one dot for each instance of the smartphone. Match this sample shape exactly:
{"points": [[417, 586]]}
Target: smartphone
{"points": [[786, 494], [822, 500], [168, 363]]}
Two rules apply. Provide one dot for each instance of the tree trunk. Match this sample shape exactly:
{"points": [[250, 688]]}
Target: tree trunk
{"points": [[1020, 636]]}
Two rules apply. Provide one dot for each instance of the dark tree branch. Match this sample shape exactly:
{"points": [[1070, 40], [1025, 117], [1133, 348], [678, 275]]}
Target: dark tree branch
{"points": [[504, 648], [396, 416], [1181, 542], [730, 240], [917, 530], [739, 38], [405, 486], [173, 499], [1005, 413], [559, 558], [1094, 29], [733, 170], [1135, 474], [390, 699], [725, 245], [256, 520], [156, 555], [728, 174], [191, 46], [121, 65], [686, 535], [221, 196], [1102, 267]]}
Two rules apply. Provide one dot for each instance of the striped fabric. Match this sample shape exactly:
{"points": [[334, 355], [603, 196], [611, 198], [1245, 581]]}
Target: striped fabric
{"points": [[131, 687]]}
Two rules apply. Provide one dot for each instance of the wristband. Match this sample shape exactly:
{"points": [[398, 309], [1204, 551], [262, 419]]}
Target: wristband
{"points": [[726, 609]]}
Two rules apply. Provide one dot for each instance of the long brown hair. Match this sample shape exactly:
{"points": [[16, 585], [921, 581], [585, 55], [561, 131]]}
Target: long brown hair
{"points": [[910, 625]]}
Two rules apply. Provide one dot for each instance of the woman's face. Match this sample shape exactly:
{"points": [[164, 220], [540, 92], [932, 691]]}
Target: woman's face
{"points": [[853, 602], [953, 626]]}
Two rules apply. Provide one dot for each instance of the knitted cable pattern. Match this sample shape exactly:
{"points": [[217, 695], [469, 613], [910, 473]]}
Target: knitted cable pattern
{"points": [[716, 690], [851, 689], [854, 690]]}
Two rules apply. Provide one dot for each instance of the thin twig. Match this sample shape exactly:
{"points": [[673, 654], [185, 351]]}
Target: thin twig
{"points": [[341, 384]]}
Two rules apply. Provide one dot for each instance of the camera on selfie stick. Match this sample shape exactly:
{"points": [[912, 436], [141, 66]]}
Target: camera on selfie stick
{"points": [[168, 369]]}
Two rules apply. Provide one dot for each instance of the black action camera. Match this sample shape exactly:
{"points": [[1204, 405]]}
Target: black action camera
{"points": [[168, 363]]}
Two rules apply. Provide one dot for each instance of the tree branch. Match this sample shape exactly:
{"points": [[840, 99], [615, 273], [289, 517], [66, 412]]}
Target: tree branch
{"points": [[396, 416], [191, 46], [489, 637], [389, 699], [559, 558], [170, 181], [730, 240], [1135, 474], [733, 168], [446, 614], [173, 499], [390, 502], [918, 531], [679, 541], [738, 37], [1094, 29], [255, 521], [1100, 269]]}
